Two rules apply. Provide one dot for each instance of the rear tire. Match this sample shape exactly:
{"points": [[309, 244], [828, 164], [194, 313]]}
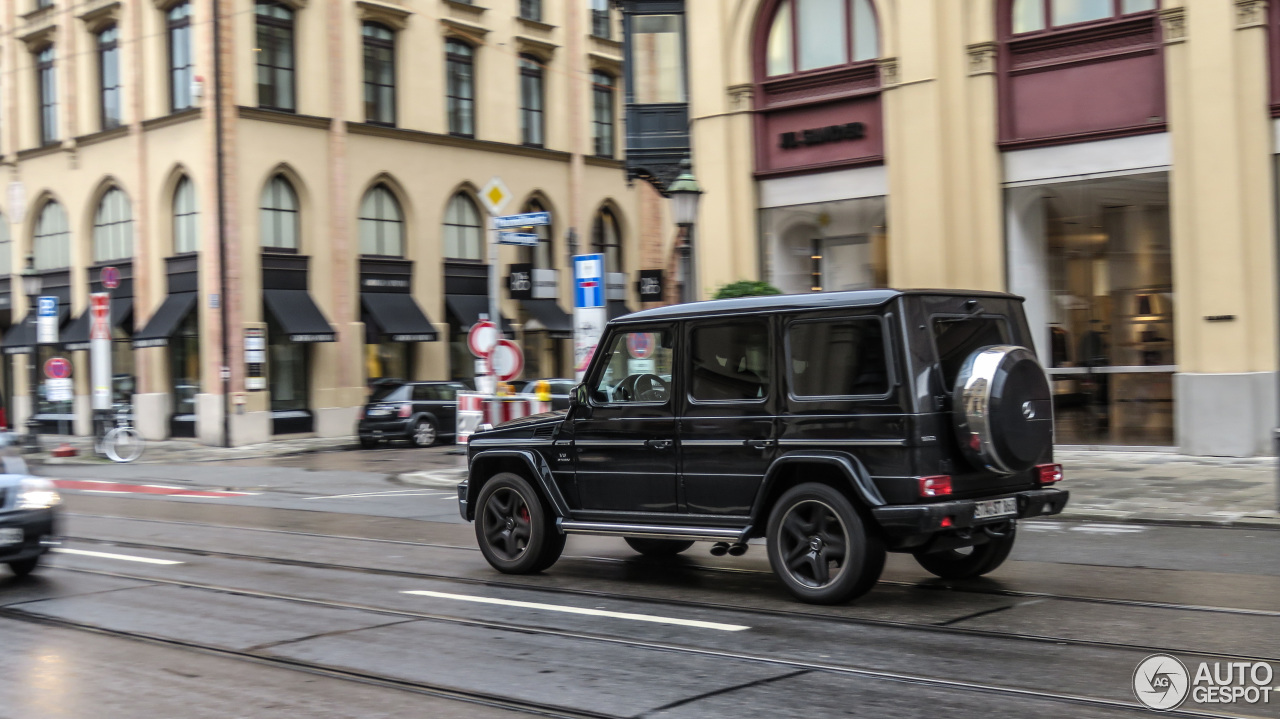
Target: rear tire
{"points": [[424, 433], [658, 547], [980, 560], [514, 529], [23, 567], [819, 546]]}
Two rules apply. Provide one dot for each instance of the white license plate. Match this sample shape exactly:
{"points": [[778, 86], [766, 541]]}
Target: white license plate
{"points": [[995, 508], [379, 412], [10, 535]]}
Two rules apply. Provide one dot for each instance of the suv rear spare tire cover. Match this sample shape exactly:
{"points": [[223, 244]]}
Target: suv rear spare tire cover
{"points": [[1003, 409]]}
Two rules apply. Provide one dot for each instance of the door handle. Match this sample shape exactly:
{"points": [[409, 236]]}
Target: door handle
{"points": [[658, 443], [760, 443]]}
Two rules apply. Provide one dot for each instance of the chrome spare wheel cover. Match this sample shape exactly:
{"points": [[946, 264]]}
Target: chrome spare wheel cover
{"points": [[1003, 409]]}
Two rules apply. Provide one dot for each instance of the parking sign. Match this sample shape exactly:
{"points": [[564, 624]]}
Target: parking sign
{"points": [[47, 320], [588, 280]]}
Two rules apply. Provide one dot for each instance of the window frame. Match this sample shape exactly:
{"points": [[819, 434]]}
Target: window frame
{"points": [[173, 26], [608, 90], [111, 193], [531, 10], [1117, 14], [38, 233], [175, 216], [601, 20], [531, 71], [280, 215], [597, 239], [792, 6], [454, 103], [694, 324], [47, 93], [368, 43], [262, 21], [445, 223], [885, 335], [112, 46], [592, 381], [381, 222]]}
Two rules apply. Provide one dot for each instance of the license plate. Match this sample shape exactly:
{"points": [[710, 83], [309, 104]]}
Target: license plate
{"points": [[995, 508], [379, 412], [10, 535]]}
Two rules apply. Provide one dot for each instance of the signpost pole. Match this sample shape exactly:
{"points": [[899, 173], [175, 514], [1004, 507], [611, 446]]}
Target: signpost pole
{"points": [[100, 357]]}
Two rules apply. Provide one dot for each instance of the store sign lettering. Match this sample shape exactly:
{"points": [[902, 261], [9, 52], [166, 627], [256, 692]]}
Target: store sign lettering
{"points": [[377, 282], [823, 135]]}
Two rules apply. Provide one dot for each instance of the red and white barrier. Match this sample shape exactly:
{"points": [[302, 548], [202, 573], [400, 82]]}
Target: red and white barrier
{"points": [[475, 408]]}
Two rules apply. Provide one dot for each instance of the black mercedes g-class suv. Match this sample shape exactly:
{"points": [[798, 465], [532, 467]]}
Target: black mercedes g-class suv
{"points": [[837, 426]]}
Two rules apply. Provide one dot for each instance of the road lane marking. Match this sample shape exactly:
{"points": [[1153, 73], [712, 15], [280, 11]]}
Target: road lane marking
{"points": [[122, 557], [389, 493], [1108, 529], [100, 486], [581, 610]]}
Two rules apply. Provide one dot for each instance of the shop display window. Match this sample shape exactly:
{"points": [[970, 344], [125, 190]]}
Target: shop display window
{"points": [[825, 246]]}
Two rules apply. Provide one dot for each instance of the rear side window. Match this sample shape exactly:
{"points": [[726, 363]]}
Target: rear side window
{"points": [[447, 392], [838, 358], [957, 337], [390, 394], [730, 362], [424, 393]]}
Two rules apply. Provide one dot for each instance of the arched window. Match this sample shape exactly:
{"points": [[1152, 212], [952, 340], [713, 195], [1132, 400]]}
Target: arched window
{"points": [[1031, 15], [186, 215], [531, 100], [275, 55], [52, 241], [813, 34], [279, 216], [543, 256], [460, 88], [602, 104], [462, 233], [113, 227], [379, 74], [181, 58], [381, 224], [607, 239]]}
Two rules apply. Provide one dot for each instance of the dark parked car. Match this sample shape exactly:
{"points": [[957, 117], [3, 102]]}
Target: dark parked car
{"points": [[837, 426], [420, 412], [560, 391], [28, 512]]}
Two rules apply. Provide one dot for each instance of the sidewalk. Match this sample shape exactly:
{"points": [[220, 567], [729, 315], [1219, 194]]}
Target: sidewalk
{"points": [[177, 451]]}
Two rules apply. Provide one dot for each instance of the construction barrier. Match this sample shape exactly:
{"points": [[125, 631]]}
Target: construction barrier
{"points": [[475, 408]]}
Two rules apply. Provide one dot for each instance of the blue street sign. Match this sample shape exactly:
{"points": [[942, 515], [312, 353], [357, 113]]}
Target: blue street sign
{"points": [[48, 307], [528, 219], [526, 239], [588, 280]]}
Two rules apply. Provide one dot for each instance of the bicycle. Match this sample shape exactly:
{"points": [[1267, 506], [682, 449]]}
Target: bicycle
{"points": [[122, 443]]}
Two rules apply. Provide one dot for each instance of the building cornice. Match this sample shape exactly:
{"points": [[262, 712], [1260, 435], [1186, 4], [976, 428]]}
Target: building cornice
{"points": [[1251, 13], [101, 15], [535, 46], [388, 14], [469, 143], [173, 118], [1173, 21], [609, 162], [466, 30], [94, 138], [284, 118]]}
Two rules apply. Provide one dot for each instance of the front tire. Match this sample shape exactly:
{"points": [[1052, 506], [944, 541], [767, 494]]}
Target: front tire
{"points": [[23, 567], [819, 546], [514, 529], [972, 561], [658, 548]]}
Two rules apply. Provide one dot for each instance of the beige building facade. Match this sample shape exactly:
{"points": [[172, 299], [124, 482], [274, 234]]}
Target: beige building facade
{"points": [[327, 220], [1113, 161]]}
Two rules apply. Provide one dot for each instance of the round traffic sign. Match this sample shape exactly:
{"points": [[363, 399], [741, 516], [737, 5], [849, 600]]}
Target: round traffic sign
{"points": [[507, 359], [57, 368], [640, 345], [482, 337], [110, 277]]}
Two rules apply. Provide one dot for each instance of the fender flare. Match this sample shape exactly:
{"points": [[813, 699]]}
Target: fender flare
{"points": [[538, 468], [848, 465]]}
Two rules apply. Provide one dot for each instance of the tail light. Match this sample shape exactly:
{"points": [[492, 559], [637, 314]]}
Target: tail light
{"points": [[937, 486], [406, 411], [1048, 473]]}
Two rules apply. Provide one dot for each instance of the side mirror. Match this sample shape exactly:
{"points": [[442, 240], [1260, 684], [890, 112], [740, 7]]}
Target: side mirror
{"points": [[578, 404]]}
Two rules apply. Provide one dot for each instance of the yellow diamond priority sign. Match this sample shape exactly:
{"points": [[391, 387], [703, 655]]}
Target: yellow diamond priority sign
{"points": [[495, 195]]}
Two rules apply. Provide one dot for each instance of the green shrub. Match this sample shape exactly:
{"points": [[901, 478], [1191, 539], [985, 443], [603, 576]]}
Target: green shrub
{"points": [[745, 288]]}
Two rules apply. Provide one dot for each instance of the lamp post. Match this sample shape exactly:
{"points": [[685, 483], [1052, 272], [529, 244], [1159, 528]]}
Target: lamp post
{"points": [[685, 195], [31, 286]]}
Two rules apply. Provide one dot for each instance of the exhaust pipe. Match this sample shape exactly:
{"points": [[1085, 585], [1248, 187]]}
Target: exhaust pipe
{"points": [[719, 549], [737, 550]]}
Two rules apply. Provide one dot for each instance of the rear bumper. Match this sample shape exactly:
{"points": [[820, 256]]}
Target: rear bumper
{"points": [[381, 429], [39, 529], [915, 519]]}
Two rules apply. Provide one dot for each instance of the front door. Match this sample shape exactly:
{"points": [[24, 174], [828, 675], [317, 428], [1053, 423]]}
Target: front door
{"points": [[625, 438]]}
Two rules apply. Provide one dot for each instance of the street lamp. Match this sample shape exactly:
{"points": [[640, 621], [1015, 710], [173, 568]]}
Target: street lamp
{"points": [[31, 285], [685, 194]]}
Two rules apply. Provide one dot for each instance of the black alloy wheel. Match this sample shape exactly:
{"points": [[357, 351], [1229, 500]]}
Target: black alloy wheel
{"points": [[819, 547], [23, 567], [515, 531], [424, 433], [658, 547], [975, 561]]}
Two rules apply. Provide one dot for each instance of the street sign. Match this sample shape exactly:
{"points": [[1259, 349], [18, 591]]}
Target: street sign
{"points": [[588, 280], [58, 390], [524, 239], [507, 359], [100, 345], [589, 316], [519, 282], [482, 337], [255, 359], [111, 277], [100, 316], [640, 345], [47, 320], [495, 195], [57, 368], [528, 219], [649, 287]]}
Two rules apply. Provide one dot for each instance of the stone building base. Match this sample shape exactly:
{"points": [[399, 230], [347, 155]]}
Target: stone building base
{"points": [[1225, 415]]}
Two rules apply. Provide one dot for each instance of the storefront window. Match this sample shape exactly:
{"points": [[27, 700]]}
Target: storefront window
{"points": [[462, 364], [53, 408], [826, 246], [184, 355], [1099, 274], [387, 360], [123, 379], [287, 372]]}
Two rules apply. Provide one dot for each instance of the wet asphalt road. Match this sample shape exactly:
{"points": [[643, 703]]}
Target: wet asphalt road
{"points": [[332, 590]]}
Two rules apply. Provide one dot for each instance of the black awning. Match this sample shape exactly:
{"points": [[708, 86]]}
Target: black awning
{"points": [[398, 317], [166, 320], [76, 336], [547, 316], [21, 338], [466, 311], [298, 315], [617, 308]]}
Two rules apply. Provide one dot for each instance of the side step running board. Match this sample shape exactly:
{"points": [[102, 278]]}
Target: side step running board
{"points": [[709, 534]]}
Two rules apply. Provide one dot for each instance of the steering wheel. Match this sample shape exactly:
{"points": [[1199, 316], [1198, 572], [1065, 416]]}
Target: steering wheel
{"points": [[650, 388]]}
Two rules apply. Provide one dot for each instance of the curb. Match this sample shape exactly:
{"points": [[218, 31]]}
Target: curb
{"points": [[1198, 522]]}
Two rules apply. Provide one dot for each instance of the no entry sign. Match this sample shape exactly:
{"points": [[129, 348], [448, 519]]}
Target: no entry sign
{"points": [[57, 368], [111, 277], [508, 360], [482, 337]]}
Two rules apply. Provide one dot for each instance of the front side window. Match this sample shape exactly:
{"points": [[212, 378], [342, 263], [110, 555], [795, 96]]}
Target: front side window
{"points": [[186, 227], [1031, 15], [109, 76], [113, 227], [52, 241], [460, 88], [531, 100], [47, 84], [813, 34], [837, 358], [379, 74], [381, 224], [181, 60], [607, 239], [730, 362], [602, 113], [636, 369], [957, 337], [279, 216], [462, 234], [658, 58], [275, 56]]}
